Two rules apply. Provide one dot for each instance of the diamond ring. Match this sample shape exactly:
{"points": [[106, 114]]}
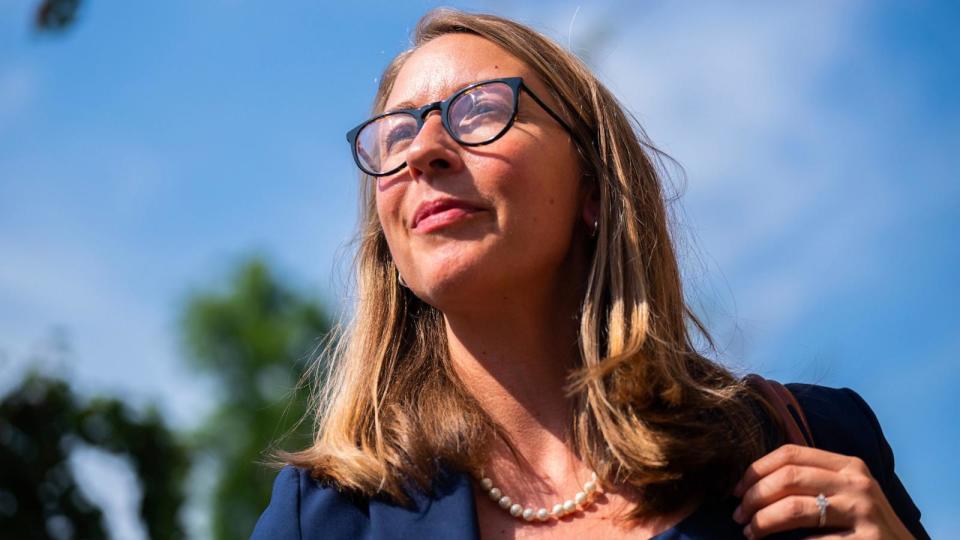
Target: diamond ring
{"points": [[822, 504]]}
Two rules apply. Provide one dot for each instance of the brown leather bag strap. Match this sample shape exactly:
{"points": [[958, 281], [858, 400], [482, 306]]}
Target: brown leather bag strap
{"points": [[788, 409]]}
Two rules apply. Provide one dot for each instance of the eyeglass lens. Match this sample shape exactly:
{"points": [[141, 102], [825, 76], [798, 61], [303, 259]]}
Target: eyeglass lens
{"points": [[475, 116]]}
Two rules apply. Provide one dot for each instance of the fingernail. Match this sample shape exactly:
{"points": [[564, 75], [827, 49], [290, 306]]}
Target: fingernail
{"points": [[747, 532], [738, 515]]}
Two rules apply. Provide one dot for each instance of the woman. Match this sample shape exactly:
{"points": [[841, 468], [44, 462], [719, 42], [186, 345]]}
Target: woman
{"points": [[520, 363]]}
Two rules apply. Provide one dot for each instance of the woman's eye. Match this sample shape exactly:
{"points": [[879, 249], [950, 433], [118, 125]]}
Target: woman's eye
{"points": [[487, 107], [398, 135]]}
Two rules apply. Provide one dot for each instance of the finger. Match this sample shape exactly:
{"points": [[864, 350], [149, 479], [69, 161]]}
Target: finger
{"points": [[796, 512], [790, 453], [845, 534], [785, 481]]}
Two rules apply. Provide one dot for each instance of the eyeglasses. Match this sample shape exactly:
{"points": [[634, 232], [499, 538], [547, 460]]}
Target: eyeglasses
{"points": [[476, 115]]}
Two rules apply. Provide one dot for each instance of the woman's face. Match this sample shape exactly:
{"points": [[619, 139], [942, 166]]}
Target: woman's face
{"points": [[473, 225]]}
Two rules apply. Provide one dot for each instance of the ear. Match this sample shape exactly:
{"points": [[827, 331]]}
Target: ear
{"points": [[590, 212]]}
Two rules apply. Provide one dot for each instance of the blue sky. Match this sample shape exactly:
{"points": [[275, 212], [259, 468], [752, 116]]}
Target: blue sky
{"points": [[151, 147]]}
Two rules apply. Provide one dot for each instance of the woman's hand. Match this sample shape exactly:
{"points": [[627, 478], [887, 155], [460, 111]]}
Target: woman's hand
{"points": [[779, 493]]}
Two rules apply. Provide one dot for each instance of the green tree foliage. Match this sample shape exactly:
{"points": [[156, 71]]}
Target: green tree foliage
{"points": [[41, 423], [56, 15], [255, 339]]}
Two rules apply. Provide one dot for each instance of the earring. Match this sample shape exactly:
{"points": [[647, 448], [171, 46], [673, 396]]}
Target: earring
{"points": [[596, 228], [400, 279]]}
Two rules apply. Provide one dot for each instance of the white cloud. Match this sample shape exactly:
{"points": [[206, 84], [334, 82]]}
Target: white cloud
{"points": [[119, 338], [69, 261], [734, 95], [109, 481]]}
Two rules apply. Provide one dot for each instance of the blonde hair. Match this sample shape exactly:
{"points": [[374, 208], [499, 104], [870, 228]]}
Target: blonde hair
{"points": [[650, 411]]}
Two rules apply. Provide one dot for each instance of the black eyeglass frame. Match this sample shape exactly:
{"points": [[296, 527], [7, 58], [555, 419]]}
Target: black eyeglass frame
{"points": [[420, 115]]}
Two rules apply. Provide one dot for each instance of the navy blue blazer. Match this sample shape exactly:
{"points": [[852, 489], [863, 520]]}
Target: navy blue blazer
{"points": [[301, 508]]}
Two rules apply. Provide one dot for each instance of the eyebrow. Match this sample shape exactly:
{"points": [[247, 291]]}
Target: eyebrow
{"points": [[403, 105], [413, 105]]}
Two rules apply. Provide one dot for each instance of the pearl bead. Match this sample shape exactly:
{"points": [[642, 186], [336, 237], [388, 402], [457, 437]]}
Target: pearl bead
{"points": [[561, 509]]}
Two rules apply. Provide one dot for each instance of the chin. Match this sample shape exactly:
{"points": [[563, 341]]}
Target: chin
{"points": [[449, 270], [454, 283]]}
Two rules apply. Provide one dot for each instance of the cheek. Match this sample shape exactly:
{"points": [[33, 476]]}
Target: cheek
{"points": [[389, 212], [543, 199], [536, 205]]}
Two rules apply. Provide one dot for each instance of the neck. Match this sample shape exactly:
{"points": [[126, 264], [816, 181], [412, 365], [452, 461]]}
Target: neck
{"points": [[514, 359]]}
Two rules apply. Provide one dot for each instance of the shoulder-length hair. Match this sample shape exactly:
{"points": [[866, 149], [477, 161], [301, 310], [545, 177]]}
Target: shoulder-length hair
{"points": [[650, 411]]}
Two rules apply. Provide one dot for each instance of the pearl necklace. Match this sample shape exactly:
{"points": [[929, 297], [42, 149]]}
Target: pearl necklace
{"points": [[581, 499]]}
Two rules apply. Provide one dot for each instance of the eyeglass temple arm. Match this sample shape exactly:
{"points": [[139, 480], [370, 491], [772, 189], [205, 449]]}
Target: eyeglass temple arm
{"points": [[549, 110]]}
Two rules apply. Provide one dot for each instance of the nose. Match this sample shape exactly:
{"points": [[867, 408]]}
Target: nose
{"points": [[433, 151]]}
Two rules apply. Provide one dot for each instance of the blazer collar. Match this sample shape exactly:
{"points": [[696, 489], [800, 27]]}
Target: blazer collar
{"points": [[449, 511]]}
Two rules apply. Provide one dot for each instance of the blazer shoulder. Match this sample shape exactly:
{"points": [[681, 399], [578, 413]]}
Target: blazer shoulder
{"points": [[302, 508], [841, 421]]}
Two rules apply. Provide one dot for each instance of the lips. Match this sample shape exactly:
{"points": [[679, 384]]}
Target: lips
{"points": [[431, 215]]}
